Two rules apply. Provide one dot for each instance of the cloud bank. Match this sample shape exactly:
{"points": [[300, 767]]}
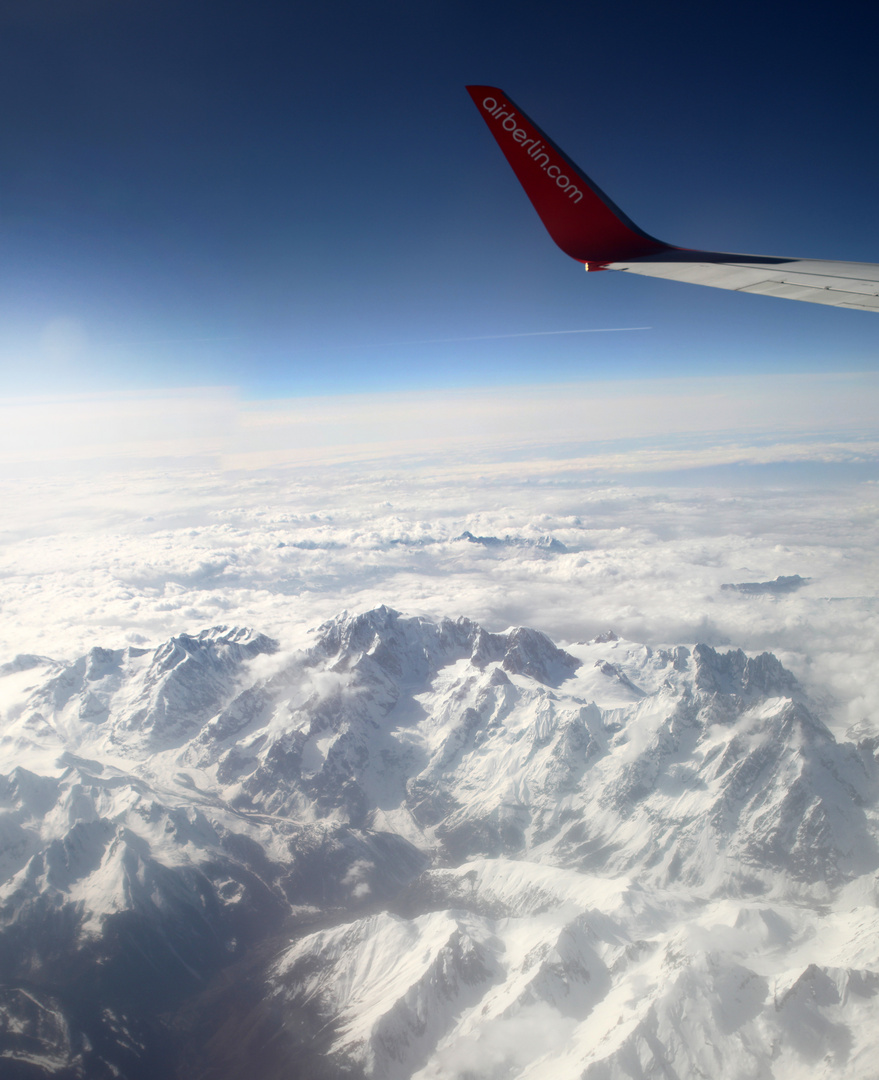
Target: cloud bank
{"points": [[169, 531], [588, 425]]}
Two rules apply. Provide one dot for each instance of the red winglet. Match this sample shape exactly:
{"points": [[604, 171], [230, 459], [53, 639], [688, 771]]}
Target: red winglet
{"points": [[578, 215]]}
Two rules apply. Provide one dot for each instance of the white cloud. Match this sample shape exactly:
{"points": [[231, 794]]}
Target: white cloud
{"points": [[51, 434], [135, 555], [530, 421], [502, 1044], [715, 420]]}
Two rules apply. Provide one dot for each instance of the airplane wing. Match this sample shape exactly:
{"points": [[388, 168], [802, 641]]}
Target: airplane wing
{"points": [[591, 229]]}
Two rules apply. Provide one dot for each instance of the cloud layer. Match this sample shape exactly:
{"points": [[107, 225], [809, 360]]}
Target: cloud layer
{"points": [[606, 426], [163, 538]]}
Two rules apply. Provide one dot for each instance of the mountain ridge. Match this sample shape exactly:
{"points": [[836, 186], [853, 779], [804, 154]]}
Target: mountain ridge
{"points": [[216, 804]]}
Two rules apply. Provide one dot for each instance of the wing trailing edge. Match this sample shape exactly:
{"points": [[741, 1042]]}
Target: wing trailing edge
{"points": [[590, 228]]}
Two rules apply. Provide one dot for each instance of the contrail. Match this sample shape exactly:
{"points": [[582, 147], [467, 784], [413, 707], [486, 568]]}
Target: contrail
{"points": [[529, 333]]}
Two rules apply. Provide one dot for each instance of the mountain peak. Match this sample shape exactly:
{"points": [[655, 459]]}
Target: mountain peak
{"points": [[734, 675], [464, 832]]}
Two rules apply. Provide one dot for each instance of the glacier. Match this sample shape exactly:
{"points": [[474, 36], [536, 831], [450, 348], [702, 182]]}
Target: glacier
{"points": [[422, 849]]}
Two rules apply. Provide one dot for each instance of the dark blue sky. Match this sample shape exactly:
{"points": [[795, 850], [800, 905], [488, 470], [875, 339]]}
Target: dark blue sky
{"points": [[281, 197]]}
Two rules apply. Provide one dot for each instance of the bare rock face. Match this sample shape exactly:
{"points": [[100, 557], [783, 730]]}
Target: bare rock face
{"points": [[425, 849]]}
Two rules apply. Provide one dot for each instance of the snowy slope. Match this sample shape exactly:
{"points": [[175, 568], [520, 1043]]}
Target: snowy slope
{"points": [[536, 972], [417, 849]]}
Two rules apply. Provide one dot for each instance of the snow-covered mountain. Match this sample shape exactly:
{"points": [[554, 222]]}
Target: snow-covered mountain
{"points": [[419, 849]]}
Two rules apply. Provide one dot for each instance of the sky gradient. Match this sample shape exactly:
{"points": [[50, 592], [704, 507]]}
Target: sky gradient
{"points": [[301, 200]]}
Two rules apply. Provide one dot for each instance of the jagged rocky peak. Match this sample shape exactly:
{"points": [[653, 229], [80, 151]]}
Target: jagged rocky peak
{"points": [[25, 662], [219, 646], [151, 698], [411, 648], [779, 587], [742, 678], [24, 789], [190, 678], [542, 543], [414, 648], [530, 652], [418, 848]]}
